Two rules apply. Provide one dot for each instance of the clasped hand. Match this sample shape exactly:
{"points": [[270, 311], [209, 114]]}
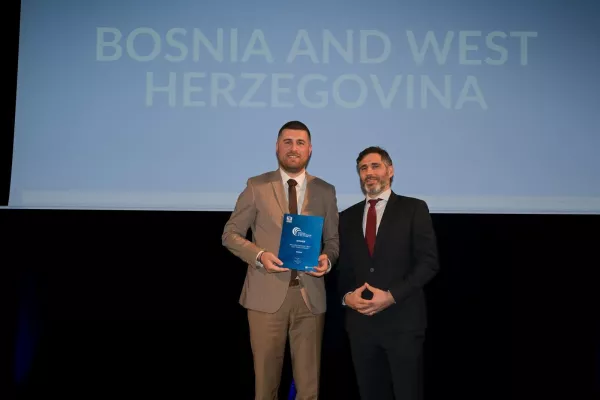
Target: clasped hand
{"points": [[381, 300]]}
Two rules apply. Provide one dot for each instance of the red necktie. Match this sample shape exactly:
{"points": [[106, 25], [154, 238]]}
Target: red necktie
{"points": [[371, 229]]}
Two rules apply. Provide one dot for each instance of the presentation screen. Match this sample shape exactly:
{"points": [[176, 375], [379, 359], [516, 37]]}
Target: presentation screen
{"points": [[484, 106]]}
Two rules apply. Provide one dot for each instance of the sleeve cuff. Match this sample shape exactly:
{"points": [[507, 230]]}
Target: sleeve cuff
{"points": [[392, 296], [343, 298], [258, 263], [400, 292]]}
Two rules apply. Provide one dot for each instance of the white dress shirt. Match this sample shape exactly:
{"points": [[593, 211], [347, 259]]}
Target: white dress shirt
{"points": [[300, 187]]}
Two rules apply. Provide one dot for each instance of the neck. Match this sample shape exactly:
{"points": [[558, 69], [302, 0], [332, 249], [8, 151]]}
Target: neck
{"points": [[293, 174], [376, 195]]}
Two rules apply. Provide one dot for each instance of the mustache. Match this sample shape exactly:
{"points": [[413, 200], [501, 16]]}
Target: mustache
{"points": [[293, 154], [371, 177]]}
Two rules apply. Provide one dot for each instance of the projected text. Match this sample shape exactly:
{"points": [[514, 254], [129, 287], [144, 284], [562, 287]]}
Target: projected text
{"points": [[208, 80]]}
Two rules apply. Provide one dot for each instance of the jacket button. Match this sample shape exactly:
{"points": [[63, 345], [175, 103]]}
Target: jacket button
{"points": [[372, 269]]}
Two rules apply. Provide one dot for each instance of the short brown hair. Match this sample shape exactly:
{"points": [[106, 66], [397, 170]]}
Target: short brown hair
{"points": [[385, 157], [295, 125]]}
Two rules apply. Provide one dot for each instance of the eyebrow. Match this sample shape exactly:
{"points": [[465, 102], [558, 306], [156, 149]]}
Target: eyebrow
{"points": [[372, 163], [291, 139]]}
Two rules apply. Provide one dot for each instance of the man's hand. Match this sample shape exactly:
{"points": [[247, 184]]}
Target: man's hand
{"points": [[271, 262], [322, 268], [354, 299], [380, 301]]}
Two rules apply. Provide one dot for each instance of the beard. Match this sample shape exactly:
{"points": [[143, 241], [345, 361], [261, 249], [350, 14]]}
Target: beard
{"points": [[374, 189], [291, 165]]}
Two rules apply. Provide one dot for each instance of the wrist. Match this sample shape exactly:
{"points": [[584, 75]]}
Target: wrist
{"points": [[344, 298], [391, 297], [259, 263]]}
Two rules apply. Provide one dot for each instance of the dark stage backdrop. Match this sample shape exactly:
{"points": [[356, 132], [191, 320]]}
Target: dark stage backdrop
{"points": [[143, 303], [140, 303]]}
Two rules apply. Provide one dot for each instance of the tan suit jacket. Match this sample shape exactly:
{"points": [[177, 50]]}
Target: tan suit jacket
{"points": [[260, 207]]}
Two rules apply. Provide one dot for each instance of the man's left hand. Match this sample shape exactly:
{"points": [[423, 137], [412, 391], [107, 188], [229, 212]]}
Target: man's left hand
{"points": [[381, 300], [322, 268]]}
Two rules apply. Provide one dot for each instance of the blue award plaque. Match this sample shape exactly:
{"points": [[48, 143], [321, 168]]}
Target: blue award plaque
{"points": [[300, 244]]}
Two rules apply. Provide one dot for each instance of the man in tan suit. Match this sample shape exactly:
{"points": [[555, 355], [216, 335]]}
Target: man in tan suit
{"points": [[281, 301]]}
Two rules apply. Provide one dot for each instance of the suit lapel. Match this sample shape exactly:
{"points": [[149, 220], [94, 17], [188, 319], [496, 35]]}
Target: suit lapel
{"points": [[279, 192], [386, 225], [307, 192]]}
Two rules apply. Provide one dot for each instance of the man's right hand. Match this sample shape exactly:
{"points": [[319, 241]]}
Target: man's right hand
{"points": [[271, 262], [354, 299]]}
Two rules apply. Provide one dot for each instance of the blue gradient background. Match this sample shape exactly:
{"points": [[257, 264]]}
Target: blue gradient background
{"points": [[82, 124]]}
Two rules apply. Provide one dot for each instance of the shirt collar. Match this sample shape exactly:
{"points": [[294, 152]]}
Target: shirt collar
{"points": [[385, 196], [300, 178]]}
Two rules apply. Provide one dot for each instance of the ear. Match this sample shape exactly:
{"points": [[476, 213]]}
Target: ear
{"points": [[391, 168]]}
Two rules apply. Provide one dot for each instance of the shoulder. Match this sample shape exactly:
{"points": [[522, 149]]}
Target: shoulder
{"points": [[353, 209], [414, 203], [319, 183], [262, 178]]}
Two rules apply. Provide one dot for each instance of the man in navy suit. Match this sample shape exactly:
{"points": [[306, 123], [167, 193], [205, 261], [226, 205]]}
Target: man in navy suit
{"points": [[388, 252]]}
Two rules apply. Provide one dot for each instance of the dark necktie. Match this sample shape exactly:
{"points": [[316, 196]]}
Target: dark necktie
{"points": [[371, 229], [293, 201]]}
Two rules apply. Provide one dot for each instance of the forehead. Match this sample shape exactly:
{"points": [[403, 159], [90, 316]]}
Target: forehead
{"points": [[294, 134], [370, 159]]}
